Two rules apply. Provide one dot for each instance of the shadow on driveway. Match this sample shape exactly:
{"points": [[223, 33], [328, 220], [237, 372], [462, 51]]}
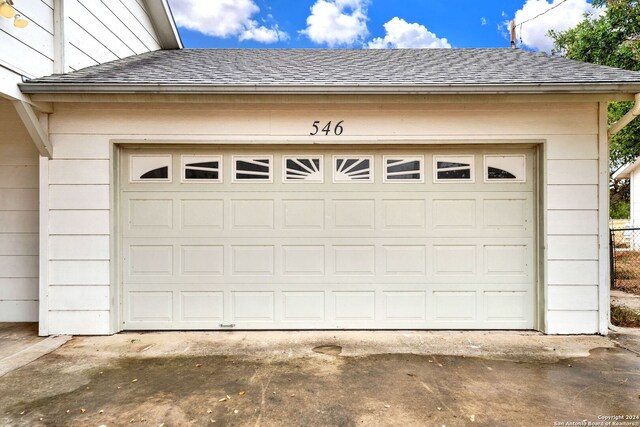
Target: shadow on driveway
{"points": [[74, 386]]}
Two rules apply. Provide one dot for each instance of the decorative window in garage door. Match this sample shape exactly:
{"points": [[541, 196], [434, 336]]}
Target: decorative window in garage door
{"points": [[302, 168], [201, 169], [403, 169], [352, 169], [453, 168], [150, 168], [252, 169], [507, 168]]}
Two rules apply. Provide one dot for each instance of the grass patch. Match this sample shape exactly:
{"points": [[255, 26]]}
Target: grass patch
{"points": [[624, 317]]}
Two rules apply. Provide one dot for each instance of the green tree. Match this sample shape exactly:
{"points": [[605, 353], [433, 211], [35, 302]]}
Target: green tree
{"points": [[613, 39]]}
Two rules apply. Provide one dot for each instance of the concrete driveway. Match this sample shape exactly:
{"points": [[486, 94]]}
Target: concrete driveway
{"points": [[327, 379]]}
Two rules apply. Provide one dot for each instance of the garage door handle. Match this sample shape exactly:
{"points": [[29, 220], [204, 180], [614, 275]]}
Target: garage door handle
{"points": [[229, 325]]}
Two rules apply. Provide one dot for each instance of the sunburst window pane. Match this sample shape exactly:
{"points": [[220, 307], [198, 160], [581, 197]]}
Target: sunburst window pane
{"points": [[303, 168], [353, 169]]}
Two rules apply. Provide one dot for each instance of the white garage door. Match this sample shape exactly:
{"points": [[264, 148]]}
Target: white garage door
{"points": [[293, 238]]}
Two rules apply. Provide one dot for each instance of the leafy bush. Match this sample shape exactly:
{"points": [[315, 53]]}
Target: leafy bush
{"points": [[620, 209]]}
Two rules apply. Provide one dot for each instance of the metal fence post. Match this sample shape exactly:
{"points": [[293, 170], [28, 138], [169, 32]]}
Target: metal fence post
{"points": [[612, 262]]}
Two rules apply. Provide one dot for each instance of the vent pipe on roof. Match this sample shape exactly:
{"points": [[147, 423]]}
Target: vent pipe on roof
{"points": [[512, 28], [627, 118]]}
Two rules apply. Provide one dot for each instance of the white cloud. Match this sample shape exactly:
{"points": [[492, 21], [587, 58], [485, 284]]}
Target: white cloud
{"points": [[224, 18], [263, 34], [337, 22], [401, 34], [483, 21], [565, 16]]}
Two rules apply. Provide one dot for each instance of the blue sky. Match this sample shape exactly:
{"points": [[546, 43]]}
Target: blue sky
{"points": [[370, 23]]}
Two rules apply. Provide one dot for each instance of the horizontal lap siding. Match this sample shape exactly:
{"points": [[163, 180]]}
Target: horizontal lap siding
{"points": [[18, 221], [79, 242], [102, 31], [433, 121], [29, 51], [572, 228], [80, 188]]}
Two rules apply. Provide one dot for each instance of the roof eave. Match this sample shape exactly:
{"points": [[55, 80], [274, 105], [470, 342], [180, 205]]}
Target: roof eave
{"points": [[164, 24], [625, 171], [87, 88]]}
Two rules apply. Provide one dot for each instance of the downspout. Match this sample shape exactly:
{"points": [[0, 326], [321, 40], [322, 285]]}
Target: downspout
{"points": [[627, 118]]}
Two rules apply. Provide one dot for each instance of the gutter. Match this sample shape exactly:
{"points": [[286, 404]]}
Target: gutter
{"points": [[627, 118], [284, 89]]}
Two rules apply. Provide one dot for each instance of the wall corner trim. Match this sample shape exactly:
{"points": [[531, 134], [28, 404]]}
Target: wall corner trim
{"points": [[603, 220], [43, 324]]}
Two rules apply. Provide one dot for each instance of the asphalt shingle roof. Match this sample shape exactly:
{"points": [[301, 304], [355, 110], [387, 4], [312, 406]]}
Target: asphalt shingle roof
{"points": [[341, 68]]}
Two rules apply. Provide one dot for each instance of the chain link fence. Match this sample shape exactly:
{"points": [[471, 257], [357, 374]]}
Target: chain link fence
{"points": [[625, 259]]}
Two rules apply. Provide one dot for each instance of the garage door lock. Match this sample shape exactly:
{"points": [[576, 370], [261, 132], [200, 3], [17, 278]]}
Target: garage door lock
{"points": [[227, 325]]}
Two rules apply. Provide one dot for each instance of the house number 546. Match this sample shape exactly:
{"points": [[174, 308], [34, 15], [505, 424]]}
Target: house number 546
{"points": [[327, 129]]}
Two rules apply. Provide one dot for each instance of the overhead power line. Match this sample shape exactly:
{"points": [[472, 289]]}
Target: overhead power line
{"points": [[514, 25], [543, 13]]}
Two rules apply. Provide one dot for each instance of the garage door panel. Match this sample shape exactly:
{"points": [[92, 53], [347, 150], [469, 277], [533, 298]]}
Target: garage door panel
{"points": [[303, 260], [253, 306], [457, 260], [150, 260], [501, 306], [354, 214], [360, 307], [256, 217], [354, 260], [321, 255], [454, 214], [303, 306], [405, 306], [202, 306], [314, 260], [507, 213], [150, 306], [403, 214], [202, 215], [252, 260], [354, 306], [303, 214], [146, 213], [252, 214], [506, 259], [202, 260], [404, 260], [455, 306]]}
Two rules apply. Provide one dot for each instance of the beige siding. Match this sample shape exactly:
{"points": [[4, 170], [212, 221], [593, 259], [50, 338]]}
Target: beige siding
{"points": [[78, 322], [81, 136], [572, 321], [572, 227], [102, 31], [18, 221], [79, 258]]}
